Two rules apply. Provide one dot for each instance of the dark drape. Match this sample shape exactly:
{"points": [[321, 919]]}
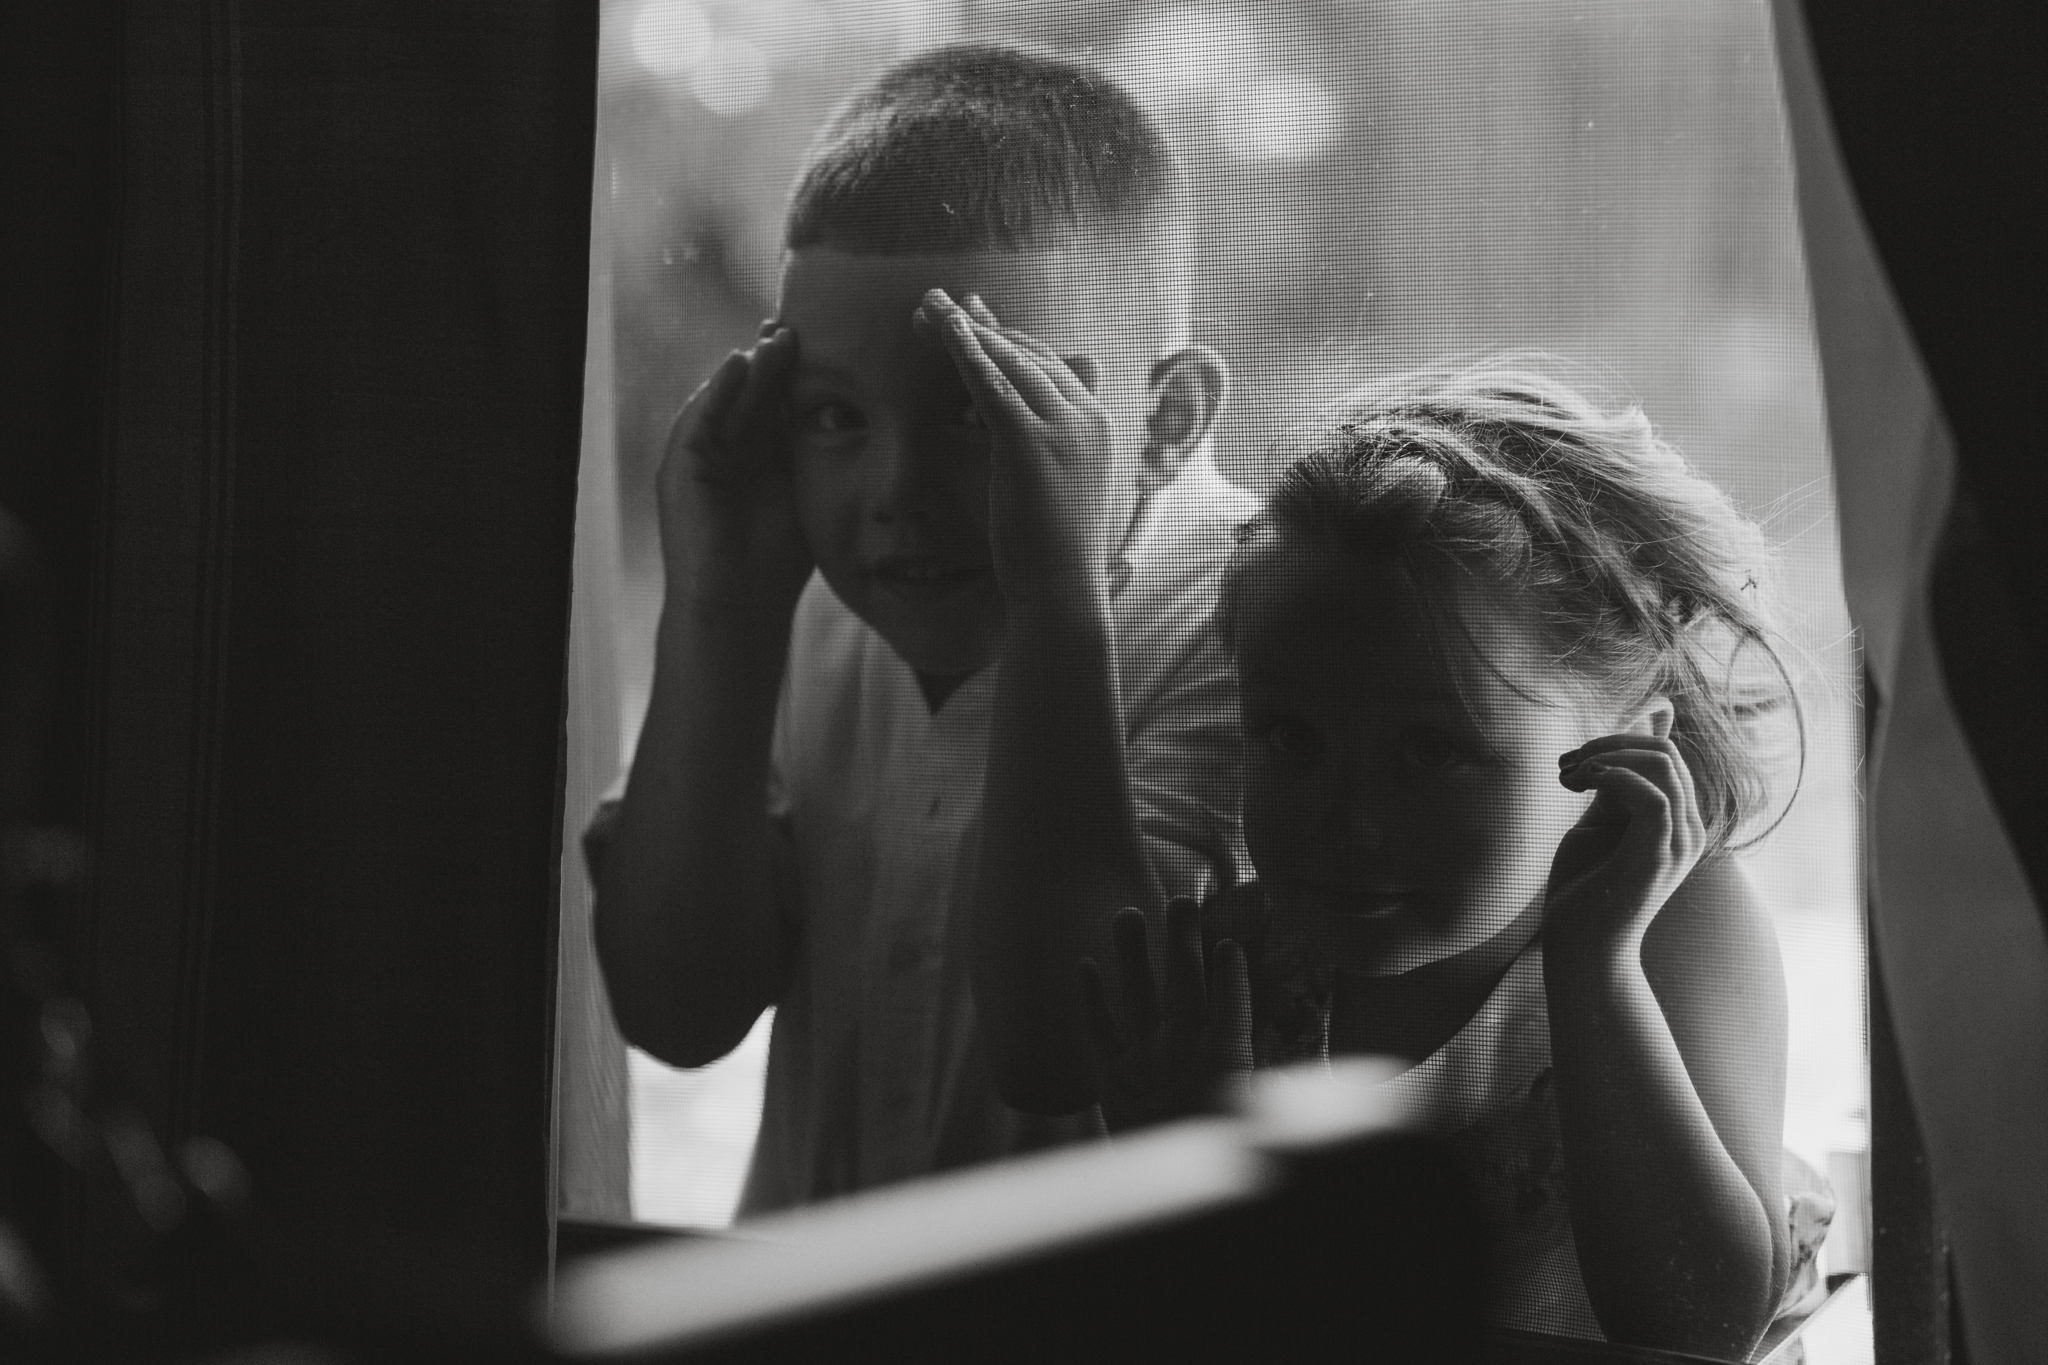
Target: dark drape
{"points": [[1919, 139], [295, 417], [1941, 114]]}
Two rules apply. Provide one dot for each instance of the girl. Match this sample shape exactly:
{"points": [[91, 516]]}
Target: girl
{"points": [[1503, 667]]}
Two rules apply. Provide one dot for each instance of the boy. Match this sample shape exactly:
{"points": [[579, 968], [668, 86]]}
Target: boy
{"points": [[915, 559]]}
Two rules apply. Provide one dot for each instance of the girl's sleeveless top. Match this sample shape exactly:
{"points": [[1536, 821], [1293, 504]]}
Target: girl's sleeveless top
{"points": [[1488, 1090]]}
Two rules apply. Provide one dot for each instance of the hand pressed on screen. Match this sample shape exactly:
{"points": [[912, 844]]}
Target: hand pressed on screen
{"points": [[1183, 1058], [727, 509], [1049, 447]]}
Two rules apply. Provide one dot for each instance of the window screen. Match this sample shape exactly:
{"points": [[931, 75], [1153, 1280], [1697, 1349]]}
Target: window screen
{"points": [[1377, 186]]}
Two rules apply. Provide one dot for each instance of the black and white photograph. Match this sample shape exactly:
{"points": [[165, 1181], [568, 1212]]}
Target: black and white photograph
{"points": [[970, 680]]}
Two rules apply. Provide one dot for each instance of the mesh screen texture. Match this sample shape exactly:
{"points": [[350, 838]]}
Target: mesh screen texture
{"points": [[1375, 186]]}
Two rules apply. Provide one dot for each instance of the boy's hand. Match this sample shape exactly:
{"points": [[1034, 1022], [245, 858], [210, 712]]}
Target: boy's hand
{"points": [[1051, 504], [728, 515], [1640, 838], [1177, 1062]]}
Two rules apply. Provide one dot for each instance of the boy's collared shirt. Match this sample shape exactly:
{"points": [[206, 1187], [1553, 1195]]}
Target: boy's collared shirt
{"points": [[874, 1074]]}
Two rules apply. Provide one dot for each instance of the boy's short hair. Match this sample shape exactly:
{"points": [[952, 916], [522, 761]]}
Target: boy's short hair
{"points": [[978, 146]]}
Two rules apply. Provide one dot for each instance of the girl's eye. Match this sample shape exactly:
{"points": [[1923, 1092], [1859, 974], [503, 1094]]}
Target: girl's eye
{"points": [[1290, 739], [1430, 751], [833, 418]]}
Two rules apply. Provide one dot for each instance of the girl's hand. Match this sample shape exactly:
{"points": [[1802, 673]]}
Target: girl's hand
{"points": [[1050, 446], [727, 512], [1182, 1060], [1639, 839]]}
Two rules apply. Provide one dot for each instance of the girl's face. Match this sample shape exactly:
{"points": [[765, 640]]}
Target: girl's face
{"points": [[1402, 800]]}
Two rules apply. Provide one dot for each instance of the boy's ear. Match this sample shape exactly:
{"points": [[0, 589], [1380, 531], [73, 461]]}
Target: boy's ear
{"points": [[1188, 388]]}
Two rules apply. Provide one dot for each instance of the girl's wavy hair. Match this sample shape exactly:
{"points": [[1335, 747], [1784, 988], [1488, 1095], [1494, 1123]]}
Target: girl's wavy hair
{"points": [[1642, 574]]}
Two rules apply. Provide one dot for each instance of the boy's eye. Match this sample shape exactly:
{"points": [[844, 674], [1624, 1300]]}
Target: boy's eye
{"points": [[833, 418], [1430, 751], [1291, 739]]}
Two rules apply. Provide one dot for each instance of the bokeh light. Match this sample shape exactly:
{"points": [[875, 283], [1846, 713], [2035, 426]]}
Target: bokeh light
{"points": [[733, 77], [1171, 58], [725, 59], [670, 37], [1277, 118]]}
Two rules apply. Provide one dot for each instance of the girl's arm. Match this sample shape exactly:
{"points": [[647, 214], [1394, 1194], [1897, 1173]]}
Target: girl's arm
{"points": [[1667, 1019]]}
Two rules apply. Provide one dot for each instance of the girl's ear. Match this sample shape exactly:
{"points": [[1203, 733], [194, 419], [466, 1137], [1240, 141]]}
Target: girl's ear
{"points": [[1652, 717], [1188, 388]]}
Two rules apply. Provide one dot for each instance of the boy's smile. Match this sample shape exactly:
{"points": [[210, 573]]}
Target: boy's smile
{"points": [[889, 459]]}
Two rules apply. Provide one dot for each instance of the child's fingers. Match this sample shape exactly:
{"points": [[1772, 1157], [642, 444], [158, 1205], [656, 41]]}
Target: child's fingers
{"points": [[1230, 1007], [696, 426], [1019, 365], [993, 393], [1024, 371], [1134, 973], [1661, 763], [1610, 743], [1658, 758], [1101, 1024], [978, 309], [1655, 756], [1186, 989], [1654, 828], [768, 363], [715, 395], [1086, 370], [734, 419], [1075, 375], [774, 357], [1222, 867]]}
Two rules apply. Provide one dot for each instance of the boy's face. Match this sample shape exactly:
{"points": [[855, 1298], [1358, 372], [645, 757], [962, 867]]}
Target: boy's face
{"points": [[1402, 801], [890, 462]]}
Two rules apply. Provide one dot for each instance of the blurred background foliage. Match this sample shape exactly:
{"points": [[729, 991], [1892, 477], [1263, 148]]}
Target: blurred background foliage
{"points": [[1383, 183]]}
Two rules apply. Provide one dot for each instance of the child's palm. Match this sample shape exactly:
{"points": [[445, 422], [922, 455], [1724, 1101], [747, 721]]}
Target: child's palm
{"points": [[1049, 437], [725, 501], [1178, 1060]]}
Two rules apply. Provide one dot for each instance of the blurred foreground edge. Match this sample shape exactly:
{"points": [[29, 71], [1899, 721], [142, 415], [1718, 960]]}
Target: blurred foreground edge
{"points": [[1312, 1222]]}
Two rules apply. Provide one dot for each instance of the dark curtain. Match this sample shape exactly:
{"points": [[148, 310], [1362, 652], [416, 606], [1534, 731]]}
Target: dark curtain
{"points": [[294, 390], [1941, 114], [1919, 140]]}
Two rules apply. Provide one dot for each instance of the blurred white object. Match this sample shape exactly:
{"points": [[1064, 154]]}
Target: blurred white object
{"points": [[693, 1132], [808, 1260], [1840, 1333], [1848, 1244], [670, 36], [792, 1264], [1310, 1104], [1277, 117]]}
